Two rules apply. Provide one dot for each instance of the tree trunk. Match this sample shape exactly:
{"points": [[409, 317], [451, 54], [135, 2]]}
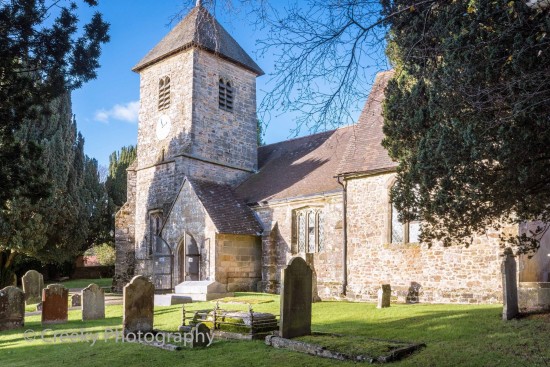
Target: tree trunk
{"points": [[7, 276]]}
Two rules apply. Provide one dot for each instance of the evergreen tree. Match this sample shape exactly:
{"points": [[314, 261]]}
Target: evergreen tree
{"points": [[467, 116], [56, 228], [116, 184], [43, 53]]}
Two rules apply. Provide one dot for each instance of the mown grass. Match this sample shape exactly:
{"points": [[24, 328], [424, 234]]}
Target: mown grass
{"points": [[83, 283], [455, 336]]}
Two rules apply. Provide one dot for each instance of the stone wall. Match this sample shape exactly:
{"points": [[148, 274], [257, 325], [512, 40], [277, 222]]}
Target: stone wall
{"points": [[204, 141], [189, 216], [277, 247], [416, 273], [125, 236], [238, 261], [226, 137]]}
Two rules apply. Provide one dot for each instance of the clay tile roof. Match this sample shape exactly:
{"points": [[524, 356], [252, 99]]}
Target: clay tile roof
{"points": [[229, 214], [308, 165], [199, 28], [298, 167], [365, 152]]}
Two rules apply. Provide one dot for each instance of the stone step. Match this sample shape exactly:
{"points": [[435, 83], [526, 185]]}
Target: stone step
{"points": [[201, 297], [171, 299], [201, 286]]}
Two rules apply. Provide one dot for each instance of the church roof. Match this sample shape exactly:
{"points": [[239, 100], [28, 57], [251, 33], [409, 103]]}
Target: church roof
{"points": [[200, 29], [298, 167], [365, 152], [229, 214], [308, 165]]}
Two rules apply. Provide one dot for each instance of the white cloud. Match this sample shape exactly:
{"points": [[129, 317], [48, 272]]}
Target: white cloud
{"points": [[127, 112]]}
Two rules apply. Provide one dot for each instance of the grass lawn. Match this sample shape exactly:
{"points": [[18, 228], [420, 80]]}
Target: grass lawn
{"points": [[455, 335], [83, 283]]}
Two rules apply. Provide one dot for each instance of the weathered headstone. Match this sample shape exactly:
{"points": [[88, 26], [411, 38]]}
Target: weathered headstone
{"points": [[509, 288], [384, 296], [76, 300], [139, 300], [296, 298], [12, 308], [39, 306], [55, 304], [33, 283], [201, 335], [93, 303]]}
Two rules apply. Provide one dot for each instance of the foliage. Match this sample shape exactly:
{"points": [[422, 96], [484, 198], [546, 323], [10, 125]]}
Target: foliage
{"points": [[56, 228], [116, 184], [104, 253], [467, 116], [42, 54]]}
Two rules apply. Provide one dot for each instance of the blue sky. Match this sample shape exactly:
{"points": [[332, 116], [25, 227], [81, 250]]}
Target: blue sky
{"points": [[106, 108]]}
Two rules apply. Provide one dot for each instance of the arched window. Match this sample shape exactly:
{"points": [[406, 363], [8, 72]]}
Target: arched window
{"points": [[309, 233], [155, 225], [164, 93], [226, 92], [399, 232]]}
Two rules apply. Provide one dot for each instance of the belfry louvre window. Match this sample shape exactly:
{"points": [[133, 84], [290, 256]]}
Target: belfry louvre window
{"points": [[164, 93], [309, 231], [226, 93]]}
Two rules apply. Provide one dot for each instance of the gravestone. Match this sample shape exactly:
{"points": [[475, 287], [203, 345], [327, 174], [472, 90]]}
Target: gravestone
{"points": [[33, 283], [76, 300], [139, 300], [93, 303], [12, 308], [509, 288], [55, 304], [384, 296], [296, 298], [200, 336]]}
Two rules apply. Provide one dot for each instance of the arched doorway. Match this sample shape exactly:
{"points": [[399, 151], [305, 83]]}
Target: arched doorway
{"points": [[189, 259]]}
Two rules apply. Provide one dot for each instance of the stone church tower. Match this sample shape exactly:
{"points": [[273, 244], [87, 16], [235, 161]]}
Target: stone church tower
{"points": [[197, 124]]}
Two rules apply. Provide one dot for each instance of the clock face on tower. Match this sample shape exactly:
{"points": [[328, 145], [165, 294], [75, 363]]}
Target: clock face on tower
{"points": [[163, 127]]}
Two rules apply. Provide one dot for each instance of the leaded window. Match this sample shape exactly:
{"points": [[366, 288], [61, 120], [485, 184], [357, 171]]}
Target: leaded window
{"points": [[225, 96], [164, 93], [310, 235], [399, 232], [301, 232]]}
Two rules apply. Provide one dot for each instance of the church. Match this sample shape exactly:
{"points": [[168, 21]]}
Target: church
{"points": [[208, 207]]}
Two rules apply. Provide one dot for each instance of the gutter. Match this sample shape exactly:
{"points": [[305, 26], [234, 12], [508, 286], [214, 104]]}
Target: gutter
{"points": [[345, 236]]}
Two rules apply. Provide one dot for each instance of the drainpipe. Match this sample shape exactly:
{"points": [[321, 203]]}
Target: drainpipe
{"points": [[345, 245]]}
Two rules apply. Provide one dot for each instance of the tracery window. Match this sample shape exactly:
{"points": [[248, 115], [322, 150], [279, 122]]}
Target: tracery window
{"points": [[309, 231]]}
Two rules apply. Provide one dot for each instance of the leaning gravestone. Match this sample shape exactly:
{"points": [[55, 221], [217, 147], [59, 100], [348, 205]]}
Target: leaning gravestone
{"points": [[55, 304], [33, 283], [384, 296], [509, 288], [296, 298], [139, 300], [93, 303], [76, 300], [12, 308]]}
